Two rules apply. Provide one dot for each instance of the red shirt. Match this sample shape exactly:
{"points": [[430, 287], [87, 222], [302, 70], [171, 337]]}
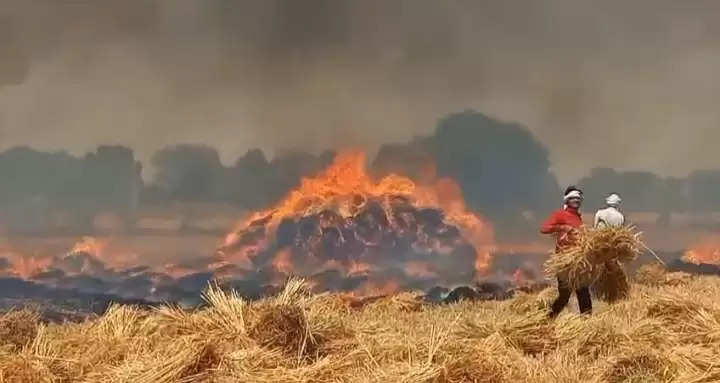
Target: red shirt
{"points": [[563, 217]]}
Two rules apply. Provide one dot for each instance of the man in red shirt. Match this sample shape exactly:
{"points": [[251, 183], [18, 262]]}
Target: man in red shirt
{"points": [[564, 224]]}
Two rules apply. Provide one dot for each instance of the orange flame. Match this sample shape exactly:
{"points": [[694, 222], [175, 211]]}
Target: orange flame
{"points": [[26, 266], [89, 245], [706, 251], [99, 248], [346, 186]]}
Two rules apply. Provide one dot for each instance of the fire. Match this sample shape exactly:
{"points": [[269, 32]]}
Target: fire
{"points": [[25, 266], [342, 229], [99, 249], [706, 251], [344, 219], [88, 256], [89, 245]]}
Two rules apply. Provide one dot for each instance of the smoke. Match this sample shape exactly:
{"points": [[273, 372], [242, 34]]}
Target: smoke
{"points": [[15, 64], [610, 84], [501, 167], [194, 173]]}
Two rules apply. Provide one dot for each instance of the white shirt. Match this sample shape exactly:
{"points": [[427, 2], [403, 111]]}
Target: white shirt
{"points": [[610, 216]]}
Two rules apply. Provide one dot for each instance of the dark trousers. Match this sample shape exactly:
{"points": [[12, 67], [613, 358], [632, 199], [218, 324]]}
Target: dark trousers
{"points": [[564, 292]]}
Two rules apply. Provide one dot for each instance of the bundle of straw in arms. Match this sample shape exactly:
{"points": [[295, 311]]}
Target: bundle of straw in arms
{"points": [[595, 260]]}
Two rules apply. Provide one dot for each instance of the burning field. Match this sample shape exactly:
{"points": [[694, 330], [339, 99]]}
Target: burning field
{"points": [[667, 331], [345, 231], [341, 230]]}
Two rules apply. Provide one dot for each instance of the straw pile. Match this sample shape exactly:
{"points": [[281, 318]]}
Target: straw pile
{"points": [[597, 254], [661, 333]]}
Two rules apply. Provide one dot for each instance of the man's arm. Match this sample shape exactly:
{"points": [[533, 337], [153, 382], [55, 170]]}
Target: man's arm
{"points": [[552, 225], [597, 219]]}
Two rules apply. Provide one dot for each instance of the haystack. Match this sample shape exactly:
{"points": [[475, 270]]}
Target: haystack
{"points": [[584, 262], [284, 327], [651, 274]]}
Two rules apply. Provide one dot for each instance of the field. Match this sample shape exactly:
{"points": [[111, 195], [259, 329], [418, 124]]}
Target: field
{"points": [[667, 331]]}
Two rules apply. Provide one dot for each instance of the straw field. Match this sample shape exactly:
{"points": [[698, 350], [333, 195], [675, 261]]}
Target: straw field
{"points": [[667, 330]]}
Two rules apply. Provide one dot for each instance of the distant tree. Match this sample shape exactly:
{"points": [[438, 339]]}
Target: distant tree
{"points": [[189, 172], [641, 191], [704, 190], [34, 183]]}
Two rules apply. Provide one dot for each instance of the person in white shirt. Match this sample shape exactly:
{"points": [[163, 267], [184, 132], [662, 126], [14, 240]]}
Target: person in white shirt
{"points": [[610, 216]]}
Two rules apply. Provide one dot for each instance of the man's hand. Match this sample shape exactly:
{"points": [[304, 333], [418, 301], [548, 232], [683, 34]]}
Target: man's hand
{"points": [[564, 229], [565, 232]]}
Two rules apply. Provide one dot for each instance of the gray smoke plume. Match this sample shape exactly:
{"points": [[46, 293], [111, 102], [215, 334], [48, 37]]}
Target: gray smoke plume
{"points": [[611, 84]]}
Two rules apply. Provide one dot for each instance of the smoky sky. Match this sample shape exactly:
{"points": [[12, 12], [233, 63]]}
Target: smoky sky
{"points": [[628, 85]]}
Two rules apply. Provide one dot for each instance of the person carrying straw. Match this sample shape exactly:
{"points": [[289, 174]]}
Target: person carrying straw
{"points": [[565, 224]]}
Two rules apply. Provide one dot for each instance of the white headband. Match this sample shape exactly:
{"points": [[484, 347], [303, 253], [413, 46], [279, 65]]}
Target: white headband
{"points": [[573, 194]]}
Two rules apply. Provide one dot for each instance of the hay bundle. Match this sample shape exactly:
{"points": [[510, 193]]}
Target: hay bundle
{"points": [[582, 264], [532, 333], [638, 365], [284, 327], [524, 303], [18, 327], [612, 283], [678, 278], [652, 274]]}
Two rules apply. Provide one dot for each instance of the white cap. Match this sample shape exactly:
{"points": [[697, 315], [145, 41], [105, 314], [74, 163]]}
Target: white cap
{"points": [[613, 200]]}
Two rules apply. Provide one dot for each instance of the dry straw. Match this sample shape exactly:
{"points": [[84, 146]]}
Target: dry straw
{"points": [[660, 333], [612, 283], [597, 253]]}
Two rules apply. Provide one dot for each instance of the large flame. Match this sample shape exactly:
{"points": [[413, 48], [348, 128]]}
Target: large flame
{"points": [[338, 196]]}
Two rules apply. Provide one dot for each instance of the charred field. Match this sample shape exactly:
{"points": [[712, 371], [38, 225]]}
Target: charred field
{"points": [[667, 331]]}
